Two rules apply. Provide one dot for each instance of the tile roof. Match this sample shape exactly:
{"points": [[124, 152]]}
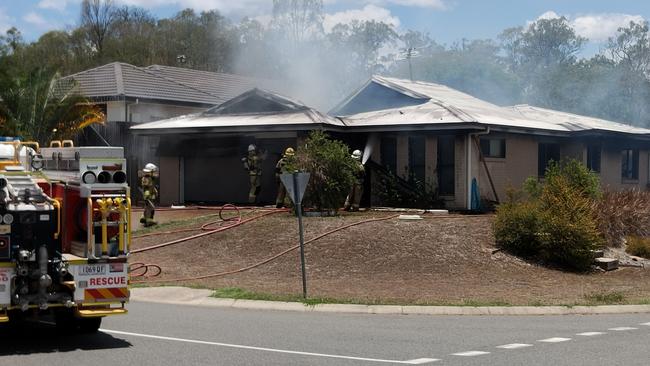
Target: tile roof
{"points": [[158, 83]]}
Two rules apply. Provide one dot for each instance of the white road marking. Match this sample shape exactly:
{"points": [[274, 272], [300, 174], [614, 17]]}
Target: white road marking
{"points": [[648, 324], [470, 353], [418, 361], [554, 340], [590, 334], [515, 345], [620, 329]]}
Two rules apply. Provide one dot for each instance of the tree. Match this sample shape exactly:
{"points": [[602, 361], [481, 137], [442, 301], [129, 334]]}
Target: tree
{"points": [[298, 20], [38, 107], [97, 17]]}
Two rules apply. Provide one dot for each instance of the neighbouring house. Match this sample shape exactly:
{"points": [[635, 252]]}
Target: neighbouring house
{"points": [[458, 145], [200, 154], [130, 95]]}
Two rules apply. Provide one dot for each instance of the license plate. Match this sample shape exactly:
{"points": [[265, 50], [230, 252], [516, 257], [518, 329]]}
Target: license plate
{"points": [[92, 270]]}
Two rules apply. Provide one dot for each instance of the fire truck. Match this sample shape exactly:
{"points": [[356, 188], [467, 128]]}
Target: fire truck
{"points": [[65, 233]]}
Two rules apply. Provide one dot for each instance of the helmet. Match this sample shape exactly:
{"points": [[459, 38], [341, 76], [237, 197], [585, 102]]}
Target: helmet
{"points": [[356, 154], [289, 152], [251, 148], [150, 168]]}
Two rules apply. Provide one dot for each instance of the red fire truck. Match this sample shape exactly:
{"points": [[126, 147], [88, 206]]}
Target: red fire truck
{"points": [[65, 233]]}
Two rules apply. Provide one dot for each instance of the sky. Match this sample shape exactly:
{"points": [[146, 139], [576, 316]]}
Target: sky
{"points": [[446, 21]]}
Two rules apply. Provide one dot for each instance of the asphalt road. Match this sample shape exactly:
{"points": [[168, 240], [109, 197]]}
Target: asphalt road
{"points": [[161, 335]]}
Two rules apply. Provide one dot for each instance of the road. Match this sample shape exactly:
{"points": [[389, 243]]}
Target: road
{"points": [[161, 335]]}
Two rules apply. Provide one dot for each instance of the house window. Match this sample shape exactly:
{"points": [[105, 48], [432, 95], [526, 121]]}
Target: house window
{"points": [[388, 153], [593, 158], [545, 154], [630, 164], [493, 148]]}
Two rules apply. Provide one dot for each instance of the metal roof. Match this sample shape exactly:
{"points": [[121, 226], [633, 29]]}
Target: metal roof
{"points": [[441, 105], [282, 113], [156, 82]]}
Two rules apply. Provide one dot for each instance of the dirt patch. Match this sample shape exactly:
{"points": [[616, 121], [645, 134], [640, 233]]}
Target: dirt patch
{"points": [[436, 260]]}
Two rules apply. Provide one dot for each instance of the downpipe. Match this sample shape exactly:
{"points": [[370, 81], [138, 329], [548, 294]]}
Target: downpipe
{"points": [[468, 149]]}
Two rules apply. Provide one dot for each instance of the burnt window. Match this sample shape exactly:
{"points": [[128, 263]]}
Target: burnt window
{"points": [[593, 158], [388, 152], [630, 164], [446, 165], [493, 148], [545, 154], [417, 164]]}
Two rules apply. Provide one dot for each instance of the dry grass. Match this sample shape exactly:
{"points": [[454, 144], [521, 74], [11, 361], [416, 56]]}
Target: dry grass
{"points": [[623, 213], [638, 246]]}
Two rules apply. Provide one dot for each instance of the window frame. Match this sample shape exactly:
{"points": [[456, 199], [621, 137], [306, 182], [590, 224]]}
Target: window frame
{"points": [[590, 164], [541, 171], [486, 147], [626, 154]]}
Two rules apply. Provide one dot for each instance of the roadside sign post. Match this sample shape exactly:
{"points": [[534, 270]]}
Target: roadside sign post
{"points": [[296, 183]]}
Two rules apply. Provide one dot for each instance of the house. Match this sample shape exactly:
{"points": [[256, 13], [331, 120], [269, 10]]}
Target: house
{"points": [[200, 154], [460, 145], [450, 139], [130, 95]]}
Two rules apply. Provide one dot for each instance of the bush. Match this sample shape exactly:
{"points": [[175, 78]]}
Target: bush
{"points": [[331, 168], [638, 246], [622, 214], [556, 224]]}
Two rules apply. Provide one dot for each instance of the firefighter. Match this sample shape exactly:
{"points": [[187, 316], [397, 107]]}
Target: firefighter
{"points": [[282, 167], [149, 193], [354, 198], [253, 164]]}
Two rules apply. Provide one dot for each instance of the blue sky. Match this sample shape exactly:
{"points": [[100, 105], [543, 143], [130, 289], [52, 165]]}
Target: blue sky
{"points": [[447, 21]]}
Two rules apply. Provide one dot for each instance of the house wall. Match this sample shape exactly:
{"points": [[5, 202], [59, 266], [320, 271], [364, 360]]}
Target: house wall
{"points": [[611, 166], [137, 112], [509, 172]]}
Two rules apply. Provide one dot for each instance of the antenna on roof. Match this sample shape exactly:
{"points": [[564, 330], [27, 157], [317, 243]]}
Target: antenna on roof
{"points": [[408, 54]]}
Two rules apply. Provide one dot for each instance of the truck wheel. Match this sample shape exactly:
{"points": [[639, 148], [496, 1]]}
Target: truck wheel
{"points": [[89, 325]]}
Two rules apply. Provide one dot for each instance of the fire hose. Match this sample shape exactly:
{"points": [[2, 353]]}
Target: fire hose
{"points": [[272, 258]]}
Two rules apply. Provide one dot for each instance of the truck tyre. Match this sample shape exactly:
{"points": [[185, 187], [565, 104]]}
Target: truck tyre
{"points": [[89, 325]]}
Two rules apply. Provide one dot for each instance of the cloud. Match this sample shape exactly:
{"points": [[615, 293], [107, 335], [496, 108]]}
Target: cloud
{"points": [[596, 27], [367, 13], [433, 4], [242, 7], [600, 27], [35, 19], [58, 5]]}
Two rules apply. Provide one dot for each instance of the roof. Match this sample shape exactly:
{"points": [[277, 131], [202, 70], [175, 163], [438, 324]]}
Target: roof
{"points": [[174, 84], [255, 110], [429, 104], [220, 85], [576, 122]]}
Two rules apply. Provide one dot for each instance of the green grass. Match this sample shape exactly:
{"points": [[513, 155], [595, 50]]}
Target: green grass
{"points": [[242, 294], [607, 298]]}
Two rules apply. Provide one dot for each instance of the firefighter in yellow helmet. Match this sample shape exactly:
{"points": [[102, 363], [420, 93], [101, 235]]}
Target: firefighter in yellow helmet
{"points": [[148, 177], [353, 200], [253, 164], [282, 167]]}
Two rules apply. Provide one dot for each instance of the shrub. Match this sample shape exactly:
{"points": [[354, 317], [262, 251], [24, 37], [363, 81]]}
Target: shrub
{"points": [[638, 246], [331, 168], [624, 213], [556, 224]]}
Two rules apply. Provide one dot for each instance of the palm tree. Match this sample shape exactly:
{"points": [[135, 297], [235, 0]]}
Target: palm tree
{"points": [[43, 107]]}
